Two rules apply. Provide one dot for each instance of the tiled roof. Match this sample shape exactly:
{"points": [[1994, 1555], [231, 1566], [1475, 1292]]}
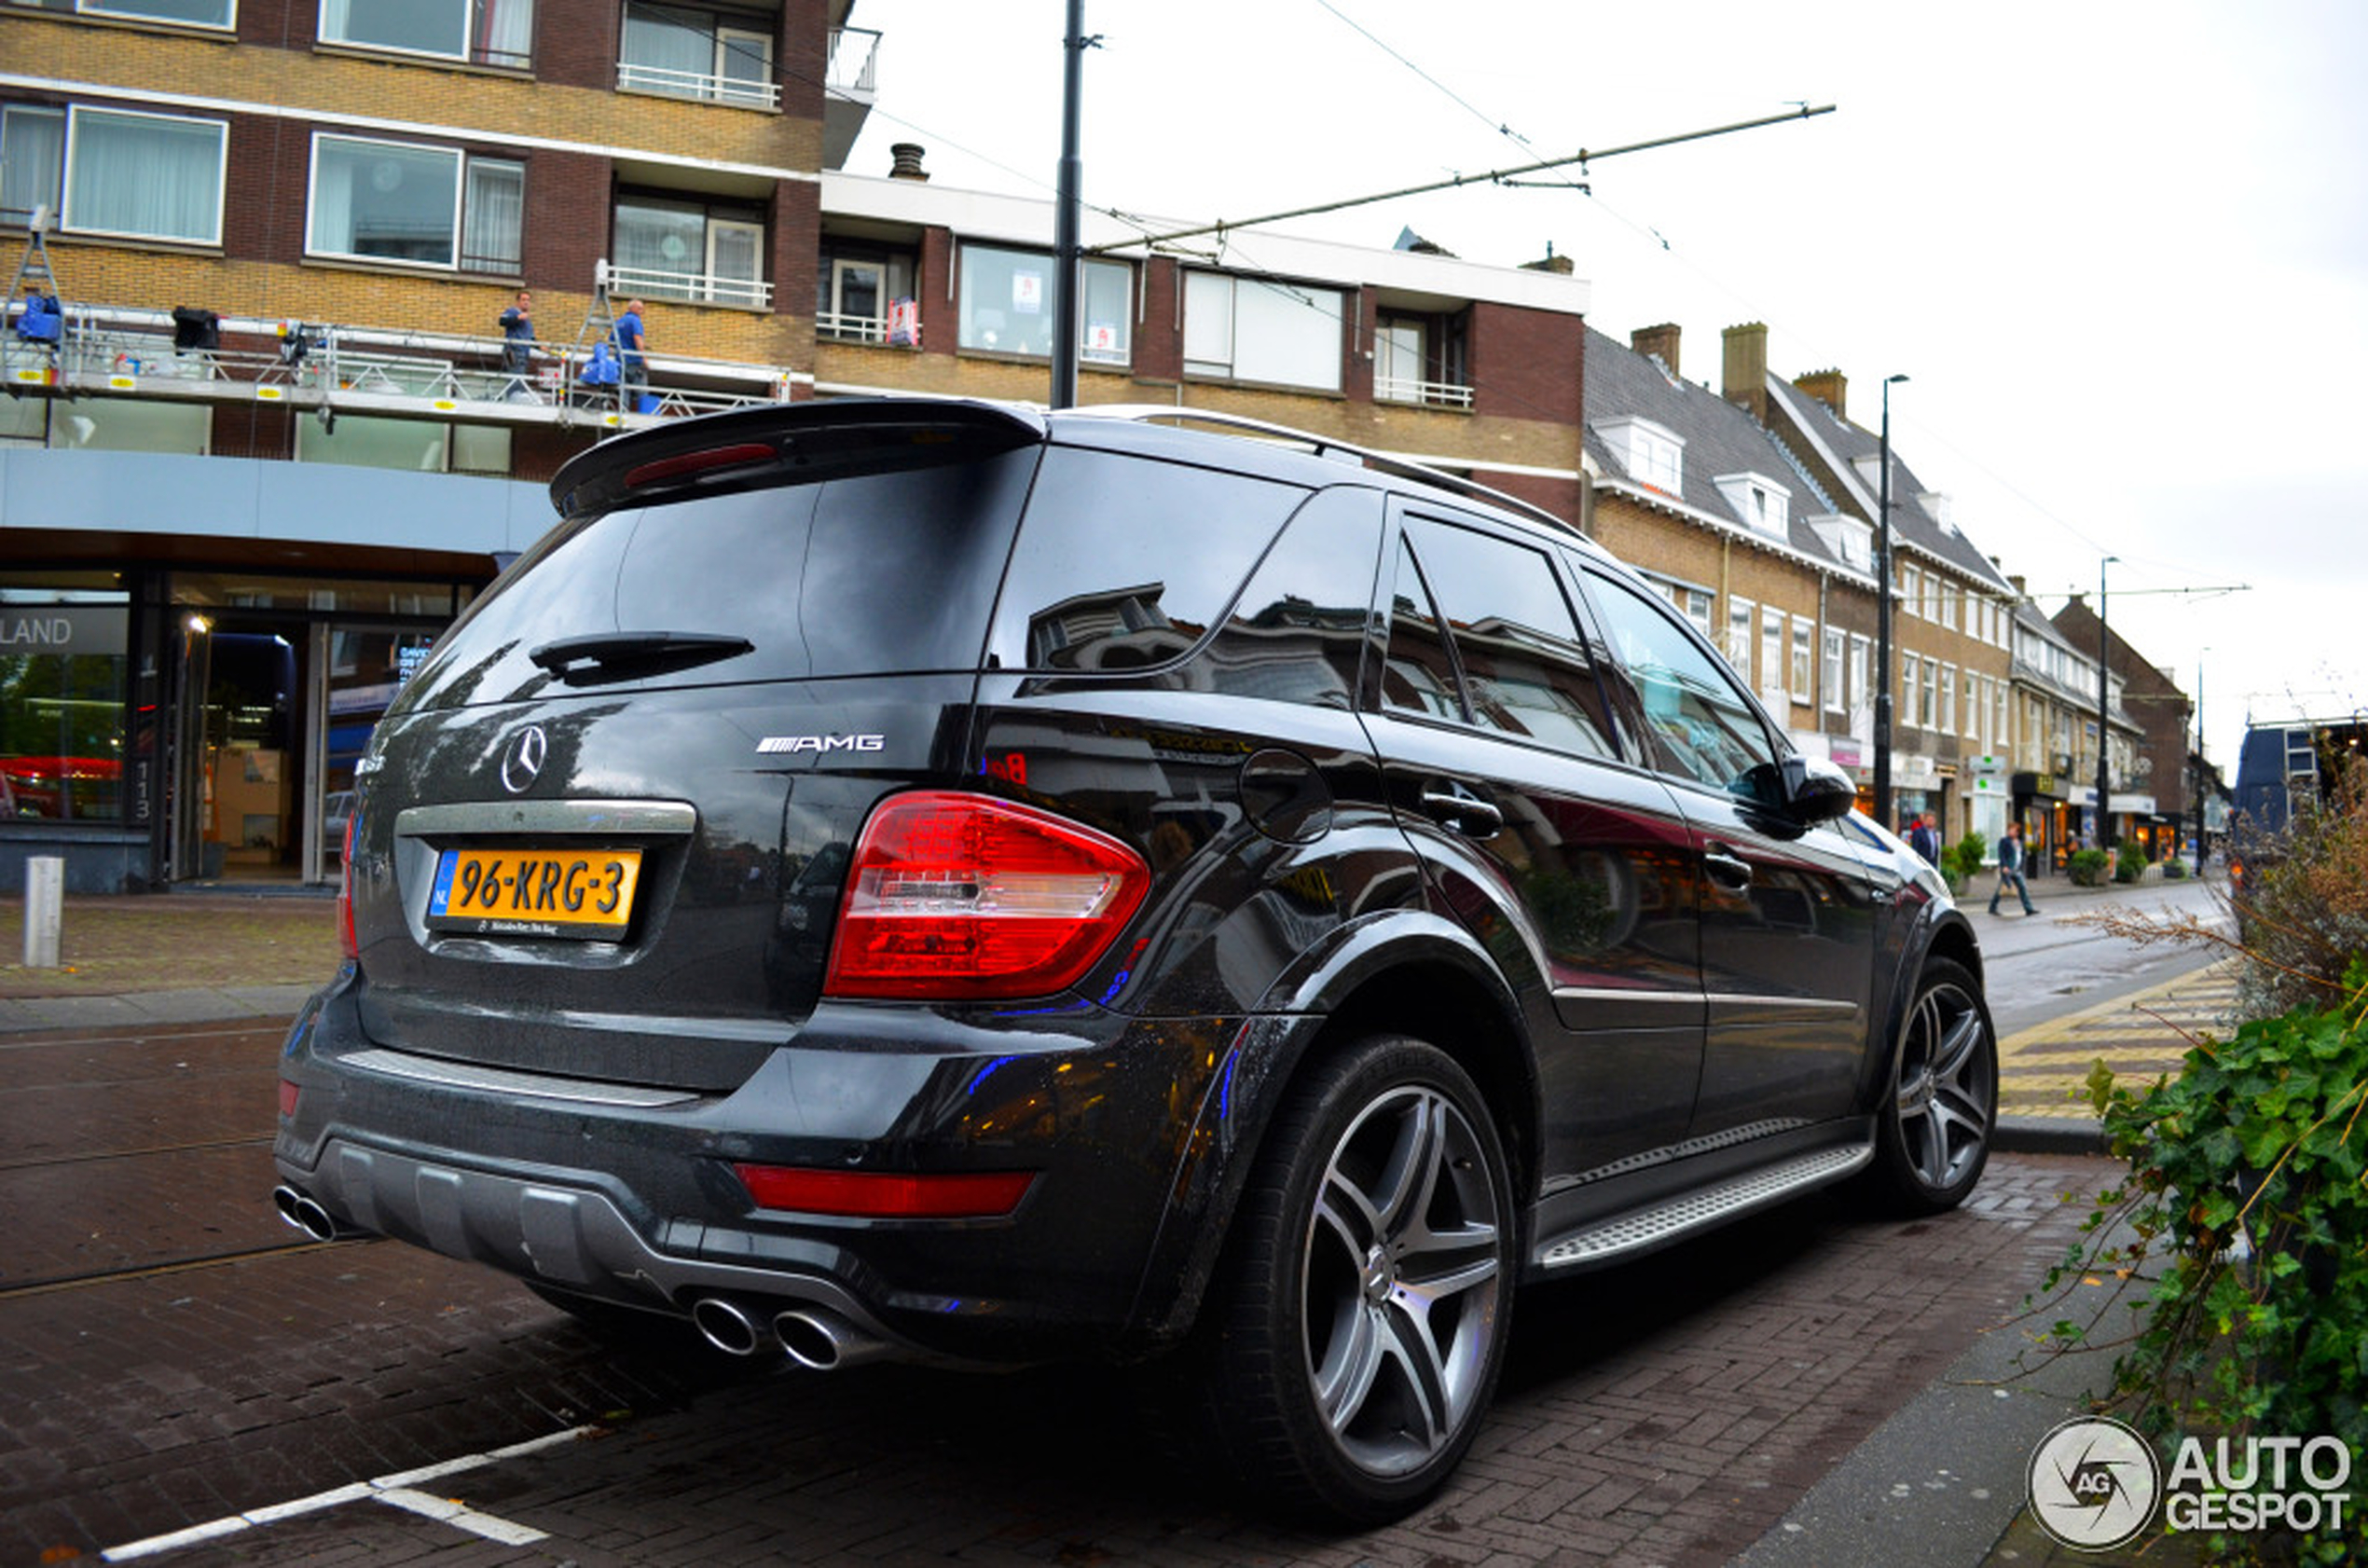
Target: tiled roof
{"points": [[1720, 439], [1911, 523]]}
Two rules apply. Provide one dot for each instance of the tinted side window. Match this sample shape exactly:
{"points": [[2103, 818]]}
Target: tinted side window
{"points": [[1420, 675], [1700, 725], [1526, 670], [1298, 632], [1125, 562]]}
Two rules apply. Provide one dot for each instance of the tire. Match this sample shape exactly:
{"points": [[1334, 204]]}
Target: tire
{"points": [[1357, 1326], [1934, 1127]]}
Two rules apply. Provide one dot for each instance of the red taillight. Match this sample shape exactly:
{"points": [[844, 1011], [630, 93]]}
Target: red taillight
{"points": [[714, 460], [966, 896], [346, 942], [288, 1092], [887, 1194]]}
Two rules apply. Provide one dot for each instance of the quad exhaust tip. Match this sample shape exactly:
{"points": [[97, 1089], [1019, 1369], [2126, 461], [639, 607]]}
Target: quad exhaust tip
{"points": [[823, 1341], [726, 1325]]}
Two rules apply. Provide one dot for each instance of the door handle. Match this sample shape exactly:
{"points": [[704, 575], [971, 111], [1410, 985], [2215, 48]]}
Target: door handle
{"points": [[1460, 811], [1725, 866]]}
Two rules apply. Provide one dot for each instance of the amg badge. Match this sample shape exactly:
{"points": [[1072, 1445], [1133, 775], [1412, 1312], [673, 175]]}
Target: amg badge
{"points": [[791, 745]]}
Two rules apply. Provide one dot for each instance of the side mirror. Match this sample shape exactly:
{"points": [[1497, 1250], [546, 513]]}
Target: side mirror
{"points": [[1816, 789]]}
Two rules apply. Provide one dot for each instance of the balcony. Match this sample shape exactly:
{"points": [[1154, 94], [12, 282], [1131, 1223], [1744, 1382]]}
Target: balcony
{"points": [[850, 84]]}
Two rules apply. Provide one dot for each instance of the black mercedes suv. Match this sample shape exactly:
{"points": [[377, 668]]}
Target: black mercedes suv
{"points": [[930, 879]]}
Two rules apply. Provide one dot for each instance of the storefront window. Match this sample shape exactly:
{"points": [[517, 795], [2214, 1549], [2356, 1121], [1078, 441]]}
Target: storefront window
{"points": [[62, 695]]}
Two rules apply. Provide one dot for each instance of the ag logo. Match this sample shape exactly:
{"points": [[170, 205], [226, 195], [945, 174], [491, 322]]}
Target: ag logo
{"points": [[2094, 1483]]}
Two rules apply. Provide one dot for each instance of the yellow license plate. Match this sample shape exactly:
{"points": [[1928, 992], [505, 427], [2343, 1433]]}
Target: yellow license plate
{"points": [[557, 893]]}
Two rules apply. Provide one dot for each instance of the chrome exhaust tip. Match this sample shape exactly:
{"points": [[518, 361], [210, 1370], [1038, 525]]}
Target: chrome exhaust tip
{"points": [[305, 1214], [726, 1325], [823, 1341]]}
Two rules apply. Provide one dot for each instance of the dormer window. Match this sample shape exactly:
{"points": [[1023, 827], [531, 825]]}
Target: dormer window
{"points": [[1850, 541], [1653, 455], [1759, 501]]}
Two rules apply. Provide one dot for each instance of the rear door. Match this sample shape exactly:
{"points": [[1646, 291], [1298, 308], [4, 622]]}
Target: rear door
{"points": [[1562, 857]]}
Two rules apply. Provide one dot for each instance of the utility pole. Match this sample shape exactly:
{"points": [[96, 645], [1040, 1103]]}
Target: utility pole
{"points": [[1882, 618], [1069, 253], [2104, 734]]}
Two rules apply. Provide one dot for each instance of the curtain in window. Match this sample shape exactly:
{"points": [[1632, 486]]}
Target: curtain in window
{"points": [[660, 40], [146, 174], [33, 147], [661, 240], [507, 27], [493, 219], [428, 26]]}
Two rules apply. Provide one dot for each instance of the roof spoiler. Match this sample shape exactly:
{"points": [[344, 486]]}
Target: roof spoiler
{"points": [[788, 444]]}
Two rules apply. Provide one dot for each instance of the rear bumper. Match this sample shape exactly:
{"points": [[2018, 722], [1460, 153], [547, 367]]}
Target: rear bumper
{"points": [[629, 1195]]}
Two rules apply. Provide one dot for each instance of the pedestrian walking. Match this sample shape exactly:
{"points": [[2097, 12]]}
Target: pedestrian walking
{"points": [[2010, 870]]}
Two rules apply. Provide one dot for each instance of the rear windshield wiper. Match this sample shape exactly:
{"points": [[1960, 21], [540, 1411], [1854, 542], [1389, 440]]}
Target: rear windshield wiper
{"points": [[569, 658]]}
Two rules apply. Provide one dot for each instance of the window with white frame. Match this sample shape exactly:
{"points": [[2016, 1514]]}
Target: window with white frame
{"points": [[707, 252], [1831, 668], [1973, 706], [1803, 632], [1259, 329], [1695, 604], [1005, 300], [192, 13], [1771, 652], [1652, 454], [1761, 502], [1929, 699], [1908, 687], [1739, 636], [1947, 684], [1861, 695], [131, 175], [1912, 590], [693, 53], [33, 159], [429, 206], [482, 32]]}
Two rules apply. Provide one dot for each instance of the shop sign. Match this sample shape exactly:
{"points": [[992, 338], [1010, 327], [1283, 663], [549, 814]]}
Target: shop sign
{"points": [[65, 629]]}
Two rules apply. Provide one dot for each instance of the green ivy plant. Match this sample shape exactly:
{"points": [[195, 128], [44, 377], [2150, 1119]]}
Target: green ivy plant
{"points": [[2248, 1202]]}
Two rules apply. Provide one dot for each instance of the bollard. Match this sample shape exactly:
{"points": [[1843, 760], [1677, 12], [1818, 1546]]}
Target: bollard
{"points": [[45, 888]]}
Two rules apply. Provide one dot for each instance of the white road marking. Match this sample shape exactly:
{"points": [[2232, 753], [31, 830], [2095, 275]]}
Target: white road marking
{"points": [[397, 1491]]}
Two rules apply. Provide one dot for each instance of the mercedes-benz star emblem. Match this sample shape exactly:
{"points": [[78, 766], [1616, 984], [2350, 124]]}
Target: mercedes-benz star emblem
{"points": [[522, 760]]}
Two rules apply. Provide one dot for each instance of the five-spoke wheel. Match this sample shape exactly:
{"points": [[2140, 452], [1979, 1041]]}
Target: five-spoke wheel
{"points": [[1366, 1296], [1934, 1136]]}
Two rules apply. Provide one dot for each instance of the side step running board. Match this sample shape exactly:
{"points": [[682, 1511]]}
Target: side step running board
{"points": [[1644, 1229]]}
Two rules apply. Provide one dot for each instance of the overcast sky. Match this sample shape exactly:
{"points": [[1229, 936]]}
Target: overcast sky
{"points": [[2121, 250]]}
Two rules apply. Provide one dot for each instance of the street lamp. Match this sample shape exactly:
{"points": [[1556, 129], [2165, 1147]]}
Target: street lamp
{"points": [[1882, 616], [2104, 743], [2203, 774]]}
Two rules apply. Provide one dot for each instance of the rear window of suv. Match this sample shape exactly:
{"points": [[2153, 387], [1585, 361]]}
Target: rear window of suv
{"points": [[888, 572]]}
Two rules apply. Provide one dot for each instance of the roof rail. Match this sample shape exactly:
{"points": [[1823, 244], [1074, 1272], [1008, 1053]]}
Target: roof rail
{"points": [[1325, 446]]}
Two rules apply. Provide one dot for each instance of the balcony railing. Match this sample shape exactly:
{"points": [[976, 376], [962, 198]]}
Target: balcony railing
{"points": [[694, 84], [694, 288], [855, 61], [1426, 394], [845, 328]]}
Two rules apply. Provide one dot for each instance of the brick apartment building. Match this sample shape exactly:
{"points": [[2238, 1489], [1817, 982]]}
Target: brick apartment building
{"points": [[278, 446]]}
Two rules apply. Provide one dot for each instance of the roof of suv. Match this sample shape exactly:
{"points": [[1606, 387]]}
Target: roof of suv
{"points": [[805, 442]]}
